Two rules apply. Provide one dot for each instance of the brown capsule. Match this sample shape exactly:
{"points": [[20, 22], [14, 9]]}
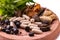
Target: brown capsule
{"points": [[46, 19]]}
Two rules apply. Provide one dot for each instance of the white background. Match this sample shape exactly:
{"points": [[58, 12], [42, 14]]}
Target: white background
{"points": [[53, 5]]}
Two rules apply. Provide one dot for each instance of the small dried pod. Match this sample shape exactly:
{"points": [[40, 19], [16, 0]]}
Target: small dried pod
{"points": [[26, 17], [47, 13], [33, 27], [23, 26], [53, 16], [46, 19], [18, 18], [11, 19], [36, 31]]}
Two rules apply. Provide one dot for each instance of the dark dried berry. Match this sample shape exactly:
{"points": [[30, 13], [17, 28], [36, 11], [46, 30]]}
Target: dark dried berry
{"points": [[45, 29], [7, 31], [7, 22], [15, 30], [3, 29], [27, 29], [31, 34], [17, 23], [12, 32], [2, 22], [9, 27]]}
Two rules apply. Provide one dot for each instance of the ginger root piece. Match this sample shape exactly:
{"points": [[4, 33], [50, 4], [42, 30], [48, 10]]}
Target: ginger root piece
{"points": [[46, 19], [47, 13], [53, 16]]}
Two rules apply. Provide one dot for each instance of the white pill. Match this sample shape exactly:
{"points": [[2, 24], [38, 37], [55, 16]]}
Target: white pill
{"points": [[26, 17], [11, 19], [38, 23], [33, 27], [18, 18], [36, 28], [31, 24], [23, 26], [36, 31], [26, 22]]}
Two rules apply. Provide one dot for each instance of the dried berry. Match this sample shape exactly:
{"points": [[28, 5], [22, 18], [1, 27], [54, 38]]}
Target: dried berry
{"points": [[31, 34], [17, 23], [27, 29]]}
